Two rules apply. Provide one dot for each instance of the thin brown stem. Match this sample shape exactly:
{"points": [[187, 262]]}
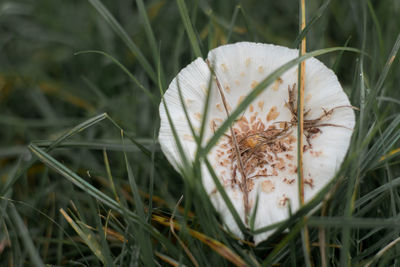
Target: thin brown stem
{"points": [[300, 113], [300, 110], [243, 184]]}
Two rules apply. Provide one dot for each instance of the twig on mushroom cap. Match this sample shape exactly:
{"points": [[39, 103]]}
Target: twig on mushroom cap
{"points": [[243, 184], [310, 126]]}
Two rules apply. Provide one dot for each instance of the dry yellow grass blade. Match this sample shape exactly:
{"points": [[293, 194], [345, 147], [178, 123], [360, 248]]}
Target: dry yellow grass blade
{"points": [[301, 126], [87, 237], [391, 153], [113, 234], [168, 260], [215, 245], [301, 104]]}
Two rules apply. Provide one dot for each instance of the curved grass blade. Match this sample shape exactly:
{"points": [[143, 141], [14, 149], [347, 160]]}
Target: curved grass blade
{"points": [[80, 127]]}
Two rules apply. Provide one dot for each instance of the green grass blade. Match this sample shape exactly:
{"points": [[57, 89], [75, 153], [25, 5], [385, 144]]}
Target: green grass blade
{"points": [[376, 192], [72, 177], [232, 23], [225, 197], [150, 35], [382, 145], [109, 175], [25, 236], [105, 248], [285, 242], [189, 28], [336, 65], [80, 127], [353, 222], [388, 65], [131, 138], [377, 26], [108, 144], [151, 179], [310, 24], [143, 238], [148, 29], [124, 36]]}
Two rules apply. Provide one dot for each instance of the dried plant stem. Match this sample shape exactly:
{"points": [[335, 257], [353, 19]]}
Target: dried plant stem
{"points": [[243, 184], [300, 108], [383, 251], [300, 145]]}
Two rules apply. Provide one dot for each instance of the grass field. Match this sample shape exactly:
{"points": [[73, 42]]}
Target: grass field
{"points": [[83, 181]]}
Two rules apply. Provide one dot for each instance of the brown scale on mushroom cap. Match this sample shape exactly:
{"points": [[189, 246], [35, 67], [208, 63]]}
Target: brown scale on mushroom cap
{"points": [[259, 148], [311, 126]]}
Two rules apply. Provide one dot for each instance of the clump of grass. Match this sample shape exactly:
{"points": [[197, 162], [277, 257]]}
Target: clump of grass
{"points": [[94, 188]]}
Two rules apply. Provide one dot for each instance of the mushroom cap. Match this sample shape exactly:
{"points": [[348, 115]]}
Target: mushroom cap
{"points": [[266, 132]]}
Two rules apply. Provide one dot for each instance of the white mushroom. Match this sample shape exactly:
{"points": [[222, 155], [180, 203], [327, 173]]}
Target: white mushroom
{"points": [[266, 133]]}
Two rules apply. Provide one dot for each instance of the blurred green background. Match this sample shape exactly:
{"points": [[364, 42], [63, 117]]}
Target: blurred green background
{"points": [[45, 89]]}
